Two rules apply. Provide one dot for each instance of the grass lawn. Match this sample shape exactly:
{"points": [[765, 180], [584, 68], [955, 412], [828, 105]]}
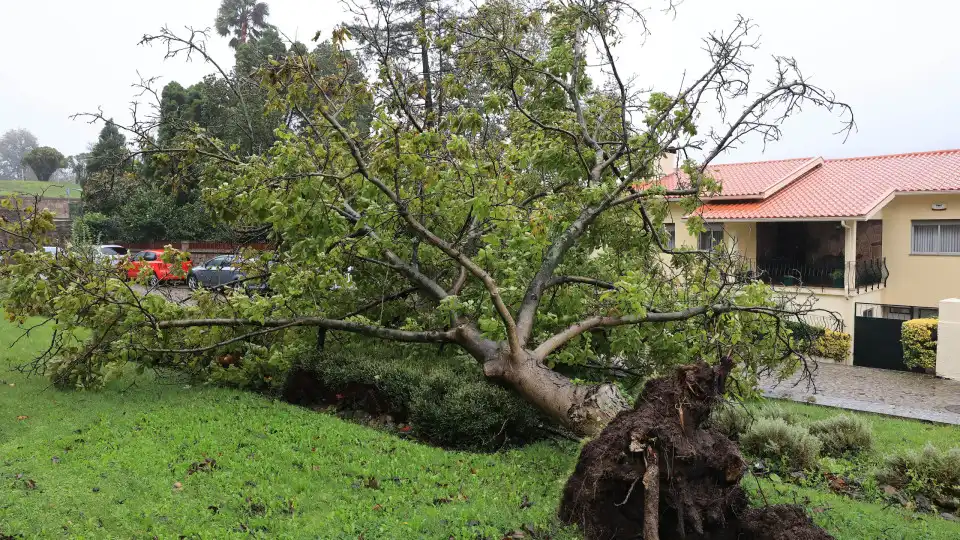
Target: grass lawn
{"points": [[35, 187], [118, 464]]}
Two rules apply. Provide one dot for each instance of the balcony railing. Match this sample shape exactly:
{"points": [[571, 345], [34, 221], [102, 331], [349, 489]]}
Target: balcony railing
{"points": [[808, 275], [859, 276], [869, 274]]}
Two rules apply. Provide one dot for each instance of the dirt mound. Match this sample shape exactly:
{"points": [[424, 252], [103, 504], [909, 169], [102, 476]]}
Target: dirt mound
{"points": [[659, 468]]}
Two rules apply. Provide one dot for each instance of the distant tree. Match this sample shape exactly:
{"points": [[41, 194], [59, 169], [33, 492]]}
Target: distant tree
{"points": [[246, 19], [179, 107], [78, 167], [14, 145], [110, 151], [44, 161]]}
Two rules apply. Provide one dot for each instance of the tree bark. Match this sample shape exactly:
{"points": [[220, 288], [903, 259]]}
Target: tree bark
{"points": [[583, 409]]}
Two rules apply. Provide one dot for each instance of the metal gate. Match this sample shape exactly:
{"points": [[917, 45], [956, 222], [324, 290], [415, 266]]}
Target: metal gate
{"points": [[876, 334]]}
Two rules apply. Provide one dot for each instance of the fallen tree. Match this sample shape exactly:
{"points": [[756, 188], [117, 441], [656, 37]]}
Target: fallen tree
{"points": [[504, 201]]}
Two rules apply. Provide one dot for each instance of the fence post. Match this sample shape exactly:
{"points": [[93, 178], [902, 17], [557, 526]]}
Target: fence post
{"points": [[948, 339]]}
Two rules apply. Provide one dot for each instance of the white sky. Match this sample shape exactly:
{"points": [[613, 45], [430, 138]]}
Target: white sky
{"points": [[895, 62]]}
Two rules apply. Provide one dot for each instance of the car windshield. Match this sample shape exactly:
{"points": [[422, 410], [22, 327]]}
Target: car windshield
{"points": [[113, 250]]}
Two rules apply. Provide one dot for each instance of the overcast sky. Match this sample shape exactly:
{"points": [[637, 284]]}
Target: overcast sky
{"points": [[895, 62]]}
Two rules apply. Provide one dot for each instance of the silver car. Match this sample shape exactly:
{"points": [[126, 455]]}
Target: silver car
{"points": [[220, 271]]}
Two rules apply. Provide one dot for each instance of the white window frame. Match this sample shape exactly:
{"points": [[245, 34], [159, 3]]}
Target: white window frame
{"points": [[712, 229], [927, 223], [671, 230]]}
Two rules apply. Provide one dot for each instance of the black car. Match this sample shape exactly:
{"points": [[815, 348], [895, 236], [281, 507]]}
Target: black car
{"points": [[225, 271]]}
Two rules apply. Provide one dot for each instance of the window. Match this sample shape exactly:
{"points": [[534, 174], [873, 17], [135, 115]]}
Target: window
{"points": [[216, 262], [928, 313], [671, 231], [936, 238], [710, 238], [146, 256]]}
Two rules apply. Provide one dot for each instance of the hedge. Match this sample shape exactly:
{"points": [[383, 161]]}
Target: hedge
{"points": [[833, 345], [919, 339], [448, 401]]}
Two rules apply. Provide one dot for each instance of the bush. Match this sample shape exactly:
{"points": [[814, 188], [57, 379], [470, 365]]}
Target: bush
{"points": [[731, 420], [774, 440], [919, 339], [775, 410], [834, 345], [449, 403], [94, 228], [805, 335], [842, 435], [930, 471]]}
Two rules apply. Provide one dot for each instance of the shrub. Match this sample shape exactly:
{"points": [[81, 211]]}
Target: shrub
{"points": [[919, 339], [731, 420], [834, 345], [805, 335], [448, 402], [775, 410], [842, 434], [774, 440], [929, 471], [93, 228]]}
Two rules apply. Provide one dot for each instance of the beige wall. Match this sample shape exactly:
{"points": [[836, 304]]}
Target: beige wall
{"points": [[742, 235], [918, 280]]}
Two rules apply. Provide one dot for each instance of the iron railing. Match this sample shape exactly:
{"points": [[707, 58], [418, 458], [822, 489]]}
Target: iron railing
{"points": [[823, 275], [859, 276], [869, 274]]}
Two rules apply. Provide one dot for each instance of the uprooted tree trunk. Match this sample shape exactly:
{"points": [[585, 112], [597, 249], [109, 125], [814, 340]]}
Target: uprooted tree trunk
{"points": [[659, 471]]}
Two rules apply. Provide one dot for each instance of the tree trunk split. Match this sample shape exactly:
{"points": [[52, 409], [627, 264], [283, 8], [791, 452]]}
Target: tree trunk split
{"points": [[583, 409]]}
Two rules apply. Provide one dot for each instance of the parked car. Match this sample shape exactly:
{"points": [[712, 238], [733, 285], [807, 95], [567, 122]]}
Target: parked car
{"points": [[112, 252], [161, 271], [223, 270]]}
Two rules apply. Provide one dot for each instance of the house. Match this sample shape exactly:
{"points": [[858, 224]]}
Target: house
{"points": [[872, 238]]}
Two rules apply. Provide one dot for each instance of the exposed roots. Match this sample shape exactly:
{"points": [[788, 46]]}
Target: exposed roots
{"points": [[699, 471]]}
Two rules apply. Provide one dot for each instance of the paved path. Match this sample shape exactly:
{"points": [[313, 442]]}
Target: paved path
{"points": [[896, 393]]}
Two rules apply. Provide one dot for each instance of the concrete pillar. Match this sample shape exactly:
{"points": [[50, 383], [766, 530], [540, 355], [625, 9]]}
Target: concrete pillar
{"points": [[948, 339]]}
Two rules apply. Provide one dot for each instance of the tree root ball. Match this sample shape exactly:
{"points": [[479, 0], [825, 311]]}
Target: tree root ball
{"points": [[695, 472]]}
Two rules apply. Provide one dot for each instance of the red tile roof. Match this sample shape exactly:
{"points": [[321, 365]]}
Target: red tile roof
{"points": [[744, 180], [839, 188]]}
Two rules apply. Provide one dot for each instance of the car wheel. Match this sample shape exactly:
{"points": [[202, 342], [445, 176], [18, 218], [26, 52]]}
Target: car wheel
{"points": [[192, 283], [153, 281]]}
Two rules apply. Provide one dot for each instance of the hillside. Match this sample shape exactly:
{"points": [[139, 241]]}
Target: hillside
{"points": [[34, 187]]}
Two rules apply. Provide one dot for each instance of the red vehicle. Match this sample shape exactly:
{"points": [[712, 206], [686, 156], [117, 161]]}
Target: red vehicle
{"points": [[161, 271]]}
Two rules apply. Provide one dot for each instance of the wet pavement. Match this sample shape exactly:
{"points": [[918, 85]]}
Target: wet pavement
{"points": [[896, 393]]}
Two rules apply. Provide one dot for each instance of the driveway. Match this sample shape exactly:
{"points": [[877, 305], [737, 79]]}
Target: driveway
{"points": [[896, 393], [174, 293]]}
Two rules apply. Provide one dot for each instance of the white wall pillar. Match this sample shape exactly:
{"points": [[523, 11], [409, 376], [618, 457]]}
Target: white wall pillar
{"points": [[948, 339], [850, 253]]}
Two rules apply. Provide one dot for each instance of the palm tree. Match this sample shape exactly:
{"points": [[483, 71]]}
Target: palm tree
{"points": [[245, 18]]}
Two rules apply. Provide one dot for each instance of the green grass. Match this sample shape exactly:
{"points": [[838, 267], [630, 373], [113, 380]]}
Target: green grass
{"points": [[105, 465], [35, 187]]}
